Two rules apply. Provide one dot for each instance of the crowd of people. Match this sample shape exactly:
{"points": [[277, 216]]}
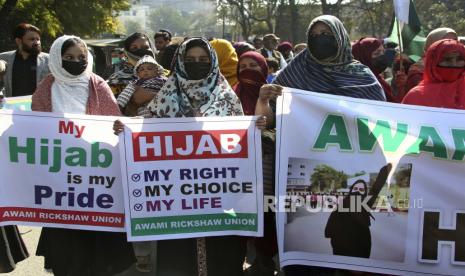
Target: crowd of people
{"points": [[199, 77]]}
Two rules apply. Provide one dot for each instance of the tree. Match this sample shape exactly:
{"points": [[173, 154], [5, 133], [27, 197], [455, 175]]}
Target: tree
{"points": [[166, 17], [445, 13], [132, 26], [55, 17], [402, 175], [325, 177]]}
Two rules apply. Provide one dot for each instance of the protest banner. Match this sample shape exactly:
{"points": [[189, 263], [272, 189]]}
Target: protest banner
{"points": [[22, 103], [60, 171], [370, 186], [192, 177]]}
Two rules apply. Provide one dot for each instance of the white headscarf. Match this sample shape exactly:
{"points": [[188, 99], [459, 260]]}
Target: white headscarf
{"points": [[69, 93]]}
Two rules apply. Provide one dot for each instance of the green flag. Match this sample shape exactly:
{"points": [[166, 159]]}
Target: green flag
{"points": [[413, 38]]}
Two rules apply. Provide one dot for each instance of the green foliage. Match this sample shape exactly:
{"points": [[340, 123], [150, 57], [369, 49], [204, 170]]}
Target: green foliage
{"points": [[55, 17], [132, 26], [445, 14], [402, 175], [326, 178]]}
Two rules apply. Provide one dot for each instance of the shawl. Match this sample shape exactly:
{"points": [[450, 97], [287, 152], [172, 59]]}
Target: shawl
{"points": [[248, 94], [213, 95], [341, 75], [432, 90], [227, 59]]}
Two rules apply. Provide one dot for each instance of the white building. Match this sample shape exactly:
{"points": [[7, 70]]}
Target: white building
{"points": [[137, 13], [299, 171]]}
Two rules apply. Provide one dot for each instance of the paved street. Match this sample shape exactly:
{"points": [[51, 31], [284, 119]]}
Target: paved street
{"points": [[33, 266], [305, 232]]}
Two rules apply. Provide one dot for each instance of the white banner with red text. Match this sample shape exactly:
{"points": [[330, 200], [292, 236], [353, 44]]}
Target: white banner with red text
{"points": [[192, 177]]}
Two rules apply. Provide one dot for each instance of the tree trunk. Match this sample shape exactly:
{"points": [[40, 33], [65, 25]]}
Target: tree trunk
{"points": [[294, 21]]}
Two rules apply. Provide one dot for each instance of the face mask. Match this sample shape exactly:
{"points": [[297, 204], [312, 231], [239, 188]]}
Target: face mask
{"points": [[142, 52], [75, 68], [115, 60], [252, 78], [390, 56], [450, 74], [197, 70], [380, 64], [322, 46]]}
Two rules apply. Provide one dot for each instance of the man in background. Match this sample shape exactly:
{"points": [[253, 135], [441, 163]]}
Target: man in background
{"points": [[27, 65], [162, 40], [269, 50]]}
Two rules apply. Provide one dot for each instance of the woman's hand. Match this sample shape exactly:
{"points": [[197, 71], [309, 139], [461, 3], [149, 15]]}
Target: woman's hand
{"points": [[261, 122], [269, 92], [118, 127]]}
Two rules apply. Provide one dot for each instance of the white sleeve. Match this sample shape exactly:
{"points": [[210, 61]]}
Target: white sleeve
{"points": [[283, 62]]}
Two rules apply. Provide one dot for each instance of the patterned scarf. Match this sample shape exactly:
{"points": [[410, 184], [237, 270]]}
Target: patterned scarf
{"points": [[181, 97]]}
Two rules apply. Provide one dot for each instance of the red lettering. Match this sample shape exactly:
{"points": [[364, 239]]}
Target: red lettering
{"points": [[65, 127], [183, 145]]}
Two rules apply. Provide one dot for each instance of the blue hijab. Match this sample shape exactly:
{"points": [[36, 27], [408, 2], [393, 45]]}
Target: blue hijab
{"points": [[341, 75]]}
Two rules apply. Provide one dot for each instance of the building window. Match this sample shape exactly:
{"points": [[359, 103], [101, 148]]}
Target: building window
{"points": [[302, 166], [302, 174], [289, 173]]}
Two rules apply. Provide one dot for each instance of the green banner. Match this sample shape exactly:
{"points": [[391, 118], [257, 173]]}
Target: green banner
{"points": [[194, 223]]}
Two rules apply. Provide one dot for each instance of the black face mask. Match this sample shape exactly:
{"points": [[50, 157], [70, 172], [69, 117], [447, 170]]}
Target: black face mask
{"points": [[380, 64], [322, 46], [75, 68], [390, 55], [197, 70], [142, 52]]}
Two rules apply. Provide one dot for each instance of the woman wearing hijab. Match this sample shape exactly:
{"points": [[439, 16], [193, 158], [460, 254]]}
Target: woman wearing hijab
{"points": [[227, 59], [285, 48], [136, 46], [443, 82], [243, 47], [196, 88], [73, 88], [415, 73], [399, 76], [370, 52], [350, 231], [252, 71], [326, 66]]}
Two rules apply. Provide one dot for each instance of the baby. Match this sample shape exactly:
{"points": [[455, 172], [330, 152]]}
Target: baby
{"points": [[149, 74]]}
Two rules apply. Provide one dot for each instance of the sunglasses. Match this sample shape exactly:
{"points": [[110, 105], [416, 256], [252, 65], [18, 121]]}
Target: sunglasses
{"points": [[355, 189]]}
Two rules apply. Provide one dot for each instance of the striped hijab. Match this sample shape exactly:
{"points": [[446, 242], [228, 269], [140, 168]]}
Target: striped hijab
{"points": [[340, 76]]}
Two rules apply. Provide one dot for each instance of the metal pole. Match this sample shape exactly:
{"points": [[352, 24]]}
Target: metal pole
{"points": [[400, 44]]}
